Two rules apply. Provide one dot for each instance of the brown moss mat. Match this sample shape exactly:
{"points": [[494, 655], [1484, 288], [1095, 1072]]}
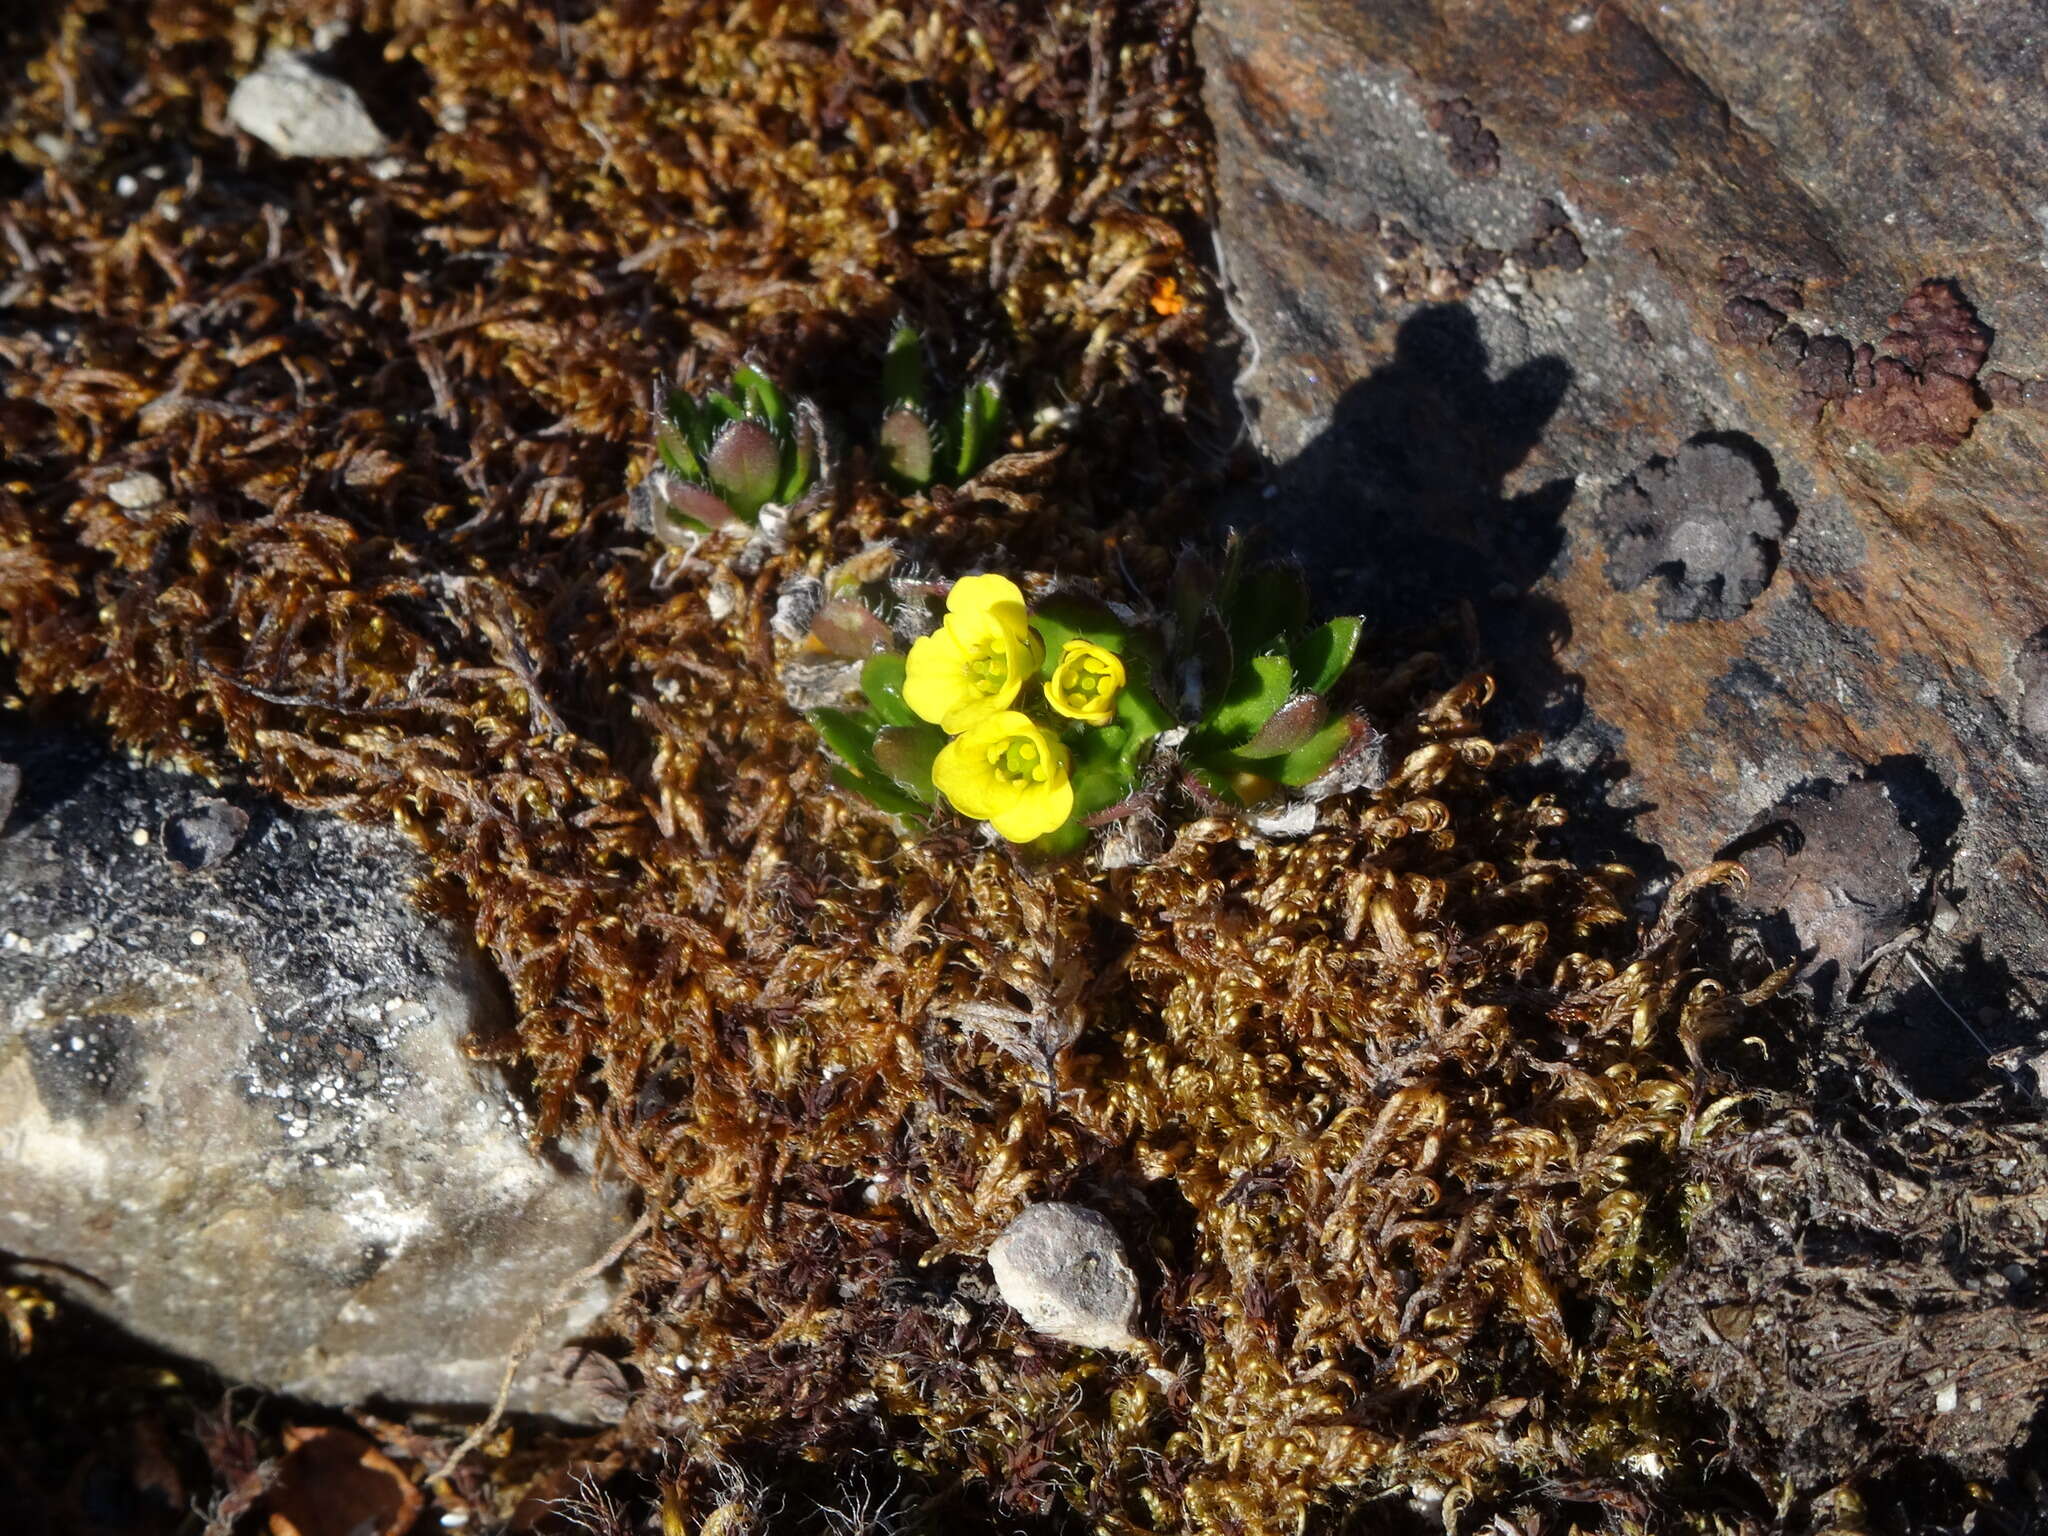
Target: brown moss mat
{"points": [[1388, 1116]]}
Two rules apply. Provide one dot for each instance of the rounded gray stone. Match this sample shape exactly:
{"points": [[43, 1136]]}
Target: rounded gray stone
{"points": [[235, 1110], [1062, 1267]]}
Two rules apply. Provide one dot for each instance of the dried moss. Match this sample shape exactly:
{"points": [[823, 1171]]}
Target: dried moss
{"points": [[1389, 1114]]}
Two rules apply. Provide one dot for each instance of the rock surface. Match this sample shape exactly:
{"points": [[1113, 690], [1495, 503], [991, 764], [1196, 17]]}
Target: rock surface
{"points": [[1062, 1267], [1507, 268], [1679, 219], [233, 1104], [297, 110]]}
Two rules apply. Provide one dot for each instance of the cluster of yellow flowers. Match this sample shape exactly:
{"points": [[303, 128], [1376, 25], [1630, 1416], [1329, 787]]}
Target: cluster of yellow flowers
{"points": [[1044, 720], [969, 677]]}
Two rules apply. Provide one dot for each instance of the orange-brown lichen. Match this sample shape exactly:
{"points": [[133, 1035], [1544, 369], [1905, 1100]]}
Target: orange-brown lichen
{"points": [[1387, 1112]]}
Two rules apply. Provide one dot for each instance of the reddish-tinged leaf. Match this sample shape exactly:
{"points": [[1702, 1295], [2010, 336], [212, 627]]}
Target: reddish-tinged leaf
{"points": [[847, 627], [745, 463], [1288, 727], [907, 449], [682, 511]]}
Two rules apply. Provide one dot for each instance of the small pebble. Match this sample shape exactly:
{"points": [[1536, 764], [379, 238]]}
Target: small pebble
{"points": [[1062, 1267], [136, 492], [297, 110]]}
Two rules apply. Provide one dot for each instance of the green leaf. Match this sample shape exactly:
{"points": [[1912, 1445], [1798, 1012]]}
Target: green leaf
{"points": [[1268, 602], [1143, 717], [906, 754], [1261, 686], [680, 506], [851, 738], [1323, 654], [744, 465], [763, 398], [800, 457], [850, 629], [1097, 767], [1292, 725], [723, 405], [1062, 840], [981, 416], [672, 436], [1099, 789], [908, 452], [880, 794], [903, 369], [1314, 756], [881, 679], [1215, 783]]}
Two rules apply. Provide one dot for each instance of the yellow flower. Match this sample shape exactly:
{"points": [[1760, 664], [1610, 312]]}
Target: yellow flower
{"points": [[1086, 682], [1010, 772], [972, 666]]}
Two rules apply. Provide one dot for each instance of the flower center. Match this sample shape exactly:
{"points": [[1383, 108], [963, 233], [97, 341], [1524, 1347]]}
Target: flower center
{"points": [[1087, 678], [988, 669], [1017, 761]]}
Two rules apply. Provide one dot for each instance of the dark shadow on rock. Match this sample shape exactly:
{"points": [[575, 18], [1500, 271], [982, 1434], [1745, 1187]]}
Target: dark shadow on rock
{"points": [[395, 92], [1939, 1028], [1398, 507], [56, 760], [1399, 510], [1927, 807]]}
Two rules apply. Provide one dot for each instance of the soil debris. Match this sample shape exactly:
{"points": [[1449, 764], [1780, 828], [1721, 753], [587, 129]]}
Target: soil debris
{"points": [[1908, 1308]]}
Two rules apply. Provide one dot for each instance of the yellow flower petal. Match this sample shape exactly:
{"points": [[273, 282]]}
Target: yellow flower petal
{"points": [[983, 594], [935, 680], [1086, 682], [1034, 816], [1009, 771], [976, 663]]}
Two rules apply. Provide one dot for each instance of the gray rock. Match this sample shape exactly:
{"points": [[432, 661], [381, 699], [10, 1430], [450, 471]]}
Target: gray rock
{"points": [[1842, 865], [1063, 1268], [234, 1104], [297, 110]]}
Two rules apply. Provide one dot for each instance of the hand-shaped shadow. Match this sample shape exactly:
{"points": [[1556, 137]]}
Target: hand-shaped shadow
{"points": [[1400, 511], [1398, 506]]}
